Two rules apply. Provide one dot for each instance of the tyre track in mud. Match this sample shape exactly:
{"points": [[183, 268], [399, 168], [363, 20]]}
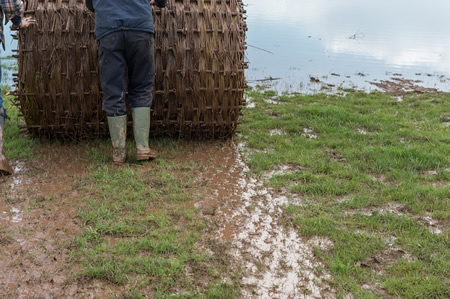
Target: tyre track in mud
{"points": [[276, 261]]}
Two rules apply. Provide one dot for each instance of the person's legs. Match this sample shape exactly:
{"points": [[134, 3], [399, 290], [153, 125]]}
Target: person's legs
{"points": [[141, 76], [141, 69], [113, 75], [5, 168]]}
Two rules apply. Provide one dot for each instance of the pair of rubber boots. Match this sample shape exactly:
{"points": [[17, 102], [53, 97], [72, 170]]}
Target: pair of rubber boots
{"points": [[141, 129], [5, 168]]}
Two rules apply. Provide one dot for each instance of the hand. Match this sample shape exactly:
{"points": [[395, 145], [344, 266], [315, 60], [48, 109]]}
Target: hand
{"points": [[152, 2], [27, 21]]}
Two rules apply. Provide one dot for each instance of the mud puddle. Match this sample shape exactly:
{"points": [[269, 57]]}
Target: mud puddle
{"points": [[37, 221], [277, 262]]}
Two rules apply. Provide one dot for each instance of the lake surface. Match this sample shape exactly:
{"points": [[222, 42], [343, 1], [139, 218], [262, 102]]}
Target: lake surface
{"points": [[347, 43], [343, 43], [7, 62]]}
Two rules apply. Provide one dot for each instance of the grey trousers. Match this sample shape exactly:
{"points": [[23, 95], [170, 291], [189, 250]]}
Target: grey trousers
{"points": [[126, 56], [3, 117]]}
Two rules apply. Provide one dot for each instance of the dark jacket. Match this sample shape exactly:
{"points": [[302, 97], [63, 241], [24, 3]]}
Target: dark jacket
{"points": [[116, 15], [12, 10]]}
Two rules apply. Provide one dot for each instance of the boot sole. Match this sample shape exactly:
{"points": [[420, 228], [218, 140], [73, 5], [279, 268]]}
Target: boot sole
{"points": [[119, 162], [146, 156], [119, 157], [5, 168]]}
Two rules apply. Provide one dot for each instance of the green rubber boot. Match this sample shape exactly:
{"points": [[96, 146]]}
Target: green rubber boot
{"points": [[141, 130], [118, 132]]}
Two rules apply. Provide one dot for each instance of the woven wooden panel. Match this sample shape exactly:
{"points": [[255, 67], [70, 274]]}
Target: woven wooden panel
{"points": [[199, 59]]}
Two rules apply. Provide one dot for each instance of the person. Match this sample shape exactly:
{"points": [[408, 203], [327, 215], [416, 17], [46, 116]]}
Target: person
{"points": [[11, 10], [125, 34]]}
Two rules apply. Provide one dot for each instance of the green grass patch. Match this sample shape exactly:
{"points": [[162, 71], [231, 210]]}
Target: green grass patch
{"points": [[349, 159], [17, 145], [140, 233]]}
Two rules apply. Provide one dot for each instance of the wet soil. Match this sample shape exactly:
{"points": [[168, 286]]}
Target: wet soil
{"points": [[378, 263], [276, 261], [434, 226], [38, 221], [401, 86], [38, 209]]}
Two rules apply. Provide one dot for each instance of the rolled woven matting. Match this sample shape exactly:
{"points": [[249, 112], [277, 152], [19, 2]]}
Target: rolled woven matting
{"points": [[199, 60]]}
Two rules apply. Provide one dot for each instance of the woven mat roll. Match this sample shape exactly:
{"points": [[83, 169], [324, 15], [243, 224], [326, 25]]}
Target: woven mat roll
{"points": [[199, 59]]}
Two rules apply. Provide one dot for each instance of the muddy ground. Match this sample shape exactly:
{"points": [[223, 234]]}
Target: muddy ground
{"points": [[38, 221], [401, 86]]}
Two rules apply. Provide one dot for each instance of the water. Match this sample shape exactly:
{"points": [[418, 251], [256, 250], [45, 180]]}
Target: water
{"points": [[345, 43], [348, 43], [8, 63]]}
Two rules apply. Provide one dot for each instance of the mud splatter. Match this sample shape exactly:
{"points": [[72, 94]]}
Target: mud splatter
{"points": [[283, 169], [250, 104], [382, 179], [433, 226], [309, 133], [276, 132], [323, 243], [274, 101], [362, 131], [17, 215], [390, 208], [336, 156], [430, 172], [378, 263]]}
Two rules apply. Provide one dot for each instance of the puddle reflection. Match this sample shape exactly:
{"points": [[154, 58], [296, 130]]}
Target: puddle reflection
{"points": [[347, 43]]}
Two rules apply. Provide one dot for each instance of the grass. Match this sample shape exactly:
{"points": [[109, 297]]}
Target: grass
{"points": [[368, 169], [142, 235], [348, 158], [17, 146]]}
